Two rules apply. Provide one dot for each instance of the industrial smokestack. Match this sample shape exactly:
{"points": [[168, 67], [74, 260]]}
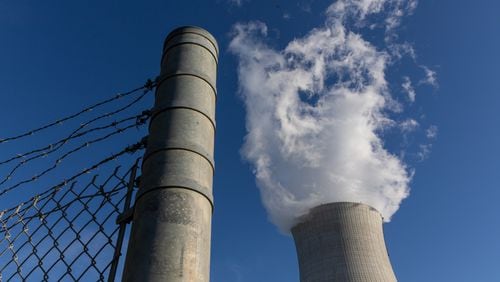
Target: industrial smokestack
{"points": [[342, 242], [170, 239]]}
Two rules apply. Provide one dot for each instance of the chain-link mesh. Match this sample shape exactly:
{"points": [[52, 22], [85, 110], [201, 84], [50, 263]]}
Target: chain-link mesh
{"points": [[68, 233]]}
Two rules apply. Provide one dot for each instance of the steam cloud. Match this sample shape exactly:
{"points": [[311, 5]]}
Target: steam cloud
{"points": [[314, 111]]}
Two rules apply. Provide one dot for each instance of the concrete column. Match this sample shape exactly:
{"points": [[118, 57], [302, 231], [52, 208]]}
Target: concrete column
{"points": [[342, 242], [170, 238]]}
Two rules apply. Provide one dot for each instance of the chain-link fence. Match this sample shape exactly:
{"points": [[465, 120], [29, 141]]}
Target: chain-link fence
{"points": [[72, 232]]}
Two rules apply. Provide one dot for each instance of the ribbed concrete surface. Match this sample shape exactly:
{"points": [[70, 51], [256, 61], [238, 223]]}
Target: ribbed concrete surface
{"points": [[342, 242], [170, 238]]}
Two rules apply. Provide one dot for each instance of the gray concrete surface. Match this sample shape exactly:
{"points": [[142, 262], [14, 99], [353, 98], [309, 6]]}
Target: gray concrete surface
{"points": [[342, 242], [171, 230]]}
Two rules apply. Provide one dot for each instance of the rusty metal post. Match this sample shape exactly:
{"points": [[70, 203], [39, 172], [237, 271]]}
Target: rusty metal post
{"points": [[171, 231]]}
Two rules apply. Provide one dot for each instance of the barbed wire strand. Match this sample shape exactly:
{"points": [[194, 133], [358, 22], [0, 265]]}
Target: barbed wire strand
{"points": [[54, 189], [57, 145], [75, 133], [140, 119], [60, 159], [149, 85]]}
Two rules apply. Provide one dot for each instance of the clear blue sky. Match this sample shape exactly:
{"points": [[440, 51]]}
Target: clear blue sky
{"points": [[56, 56]]}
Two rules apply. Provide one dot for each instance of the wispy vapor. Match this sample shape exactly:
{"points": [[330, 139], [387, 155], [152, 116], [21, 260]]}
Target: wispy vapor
{"points": [[430, 77], [431, 132], [237, 3], [314, 110], [408, 88], [408, 125]]}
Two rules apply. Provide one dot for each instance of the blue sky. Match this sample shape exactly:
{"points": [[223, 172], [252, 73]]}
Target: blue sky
{"points": [[59, 55]]}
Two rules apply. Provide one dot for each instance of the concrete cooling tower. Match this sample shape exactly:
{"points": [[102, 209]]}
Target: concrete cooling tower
{"points": [[342, 242]]}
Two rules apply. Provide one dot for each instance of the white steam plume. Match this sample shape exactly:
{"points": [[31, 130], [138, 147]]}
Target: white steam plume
{"points": [[313, 113]]}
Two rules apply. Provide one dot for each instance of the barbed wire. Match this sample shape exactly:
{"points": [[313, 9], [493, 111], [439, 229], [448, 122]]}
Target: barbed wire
{"points": [[148, 86], [34, 233], [58, 144], [127, 150], [139, 120], [59, 160]]}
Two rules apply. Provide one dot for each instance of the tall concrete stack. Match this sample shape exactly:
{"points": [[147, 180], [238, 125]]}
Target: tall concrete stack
{"points": [[171, 231], [342, 242]]}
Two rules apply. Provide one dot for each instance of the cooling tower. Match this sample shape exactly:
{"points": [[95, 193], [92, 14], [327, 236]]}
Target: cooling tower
{"points": [[342, 242]]}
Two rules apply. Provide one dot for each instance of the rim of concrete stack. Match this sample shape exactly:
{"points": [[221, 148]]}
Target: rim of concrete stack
{"points": [[342, 241], [171, 231]]}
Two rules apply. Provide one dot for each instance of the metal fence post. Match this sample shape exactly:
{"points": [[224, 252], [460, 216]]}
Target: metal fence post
{"points": [[122, 220], [170, 237]]}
